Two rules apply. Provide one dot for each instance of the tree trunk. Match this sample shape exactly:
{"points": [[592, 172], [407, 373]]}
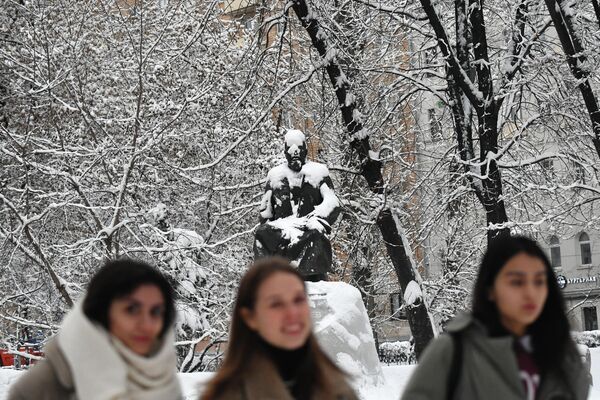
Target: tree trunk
{"points": [[418, 317], [460, 77], [597, 11], [576, 59]]}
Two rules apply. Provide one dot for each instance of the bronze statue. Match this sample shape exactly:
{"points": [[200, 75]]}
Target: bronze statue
{"points": [[297, 211]]}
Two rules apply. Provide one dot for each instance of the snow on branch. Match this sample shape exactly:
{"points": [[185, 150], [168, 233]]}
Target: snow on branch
{"points": [[468, 87], [25, 322], [496, 156], [244, 134], [418, 280], [412, 294]]}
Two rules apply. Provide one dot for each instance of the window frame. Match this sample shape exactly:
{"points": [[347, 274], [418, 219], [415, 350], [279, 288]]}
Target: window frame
{"points": [[555, 251], [593, 323], [584, 242]]}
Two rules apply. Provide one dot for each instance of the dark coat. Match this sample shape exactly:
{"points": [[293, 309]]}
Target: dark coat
{"points": [[489, 370], [312, 250], [262, 382], [307, 197]]}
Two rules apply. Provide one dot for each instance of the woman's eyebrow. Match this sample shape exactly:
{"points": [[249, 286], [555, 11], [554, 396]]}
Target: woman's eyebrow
{"points": [[521, 273], [518, 273]]}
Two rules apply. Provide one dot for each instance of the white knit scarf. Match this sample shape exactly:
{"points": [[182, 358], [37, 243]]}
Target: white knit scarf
{"points": [[103, 368]]}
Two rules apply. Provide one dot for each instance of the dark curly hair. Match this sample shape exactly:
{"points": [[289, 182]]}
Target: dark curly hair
{"points": [[118, 278]]}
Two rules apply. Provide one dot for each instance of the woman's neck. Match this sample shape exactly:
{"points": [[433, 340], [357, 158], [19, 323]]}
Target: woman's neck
{"points": [[514, 327], [287, 362]]}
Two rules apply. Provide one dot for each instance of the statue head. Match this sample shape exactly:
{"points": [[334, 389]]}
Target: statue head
{"points": [[295, 149]]}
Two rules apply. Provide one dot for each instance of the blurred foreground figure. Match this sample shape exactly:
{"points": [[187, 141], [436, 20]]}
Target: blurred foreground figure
{"points": [[516, 343], [297, 211], [272, 352], [116, 344]]}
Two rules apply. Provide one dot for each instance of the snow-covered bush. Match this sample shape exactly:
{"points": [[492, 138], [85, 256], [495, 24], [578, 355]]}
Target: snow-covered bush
{"points": [[588, 338], [402, 353]]}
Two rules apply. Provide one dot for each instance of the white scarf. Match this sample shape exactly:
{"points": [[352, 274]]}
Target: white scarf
{"points": [[103, 368]]}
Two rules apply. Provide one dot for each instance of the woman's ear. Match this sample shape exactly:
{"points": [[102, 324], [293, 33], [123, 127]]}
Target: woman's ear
{"points": [[491, 295], [248, 317]]}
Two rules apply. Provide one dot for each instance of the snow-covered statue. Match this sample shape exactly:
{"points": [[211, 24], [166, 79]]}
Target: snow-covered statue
{"points": [[297, 211]]}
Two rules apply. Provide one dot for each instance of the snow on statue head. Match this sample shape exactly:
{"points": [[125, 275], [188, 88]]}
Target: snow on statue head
{"points": [[295, 149]]}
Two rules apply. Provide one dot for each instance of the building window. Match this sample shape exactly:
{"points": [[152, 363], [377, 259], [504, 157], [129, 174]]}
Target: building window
{"points": [[398, 311], [590, 319], [555, 252], [435, 126], [585, 248]]}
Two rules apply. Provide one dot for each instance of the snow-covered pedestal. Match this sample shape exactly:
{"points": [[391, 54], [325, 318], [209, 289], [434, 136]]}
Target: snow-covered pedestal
{"points": [[342, 328]]}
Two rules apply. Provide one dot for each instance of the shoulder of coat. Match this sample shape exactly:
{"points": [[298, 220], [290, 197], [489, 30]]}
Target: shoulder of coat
{"points": [[261, 380], [233, 392], [460, 323], [59, 364], [41, 381], [339, 381]]}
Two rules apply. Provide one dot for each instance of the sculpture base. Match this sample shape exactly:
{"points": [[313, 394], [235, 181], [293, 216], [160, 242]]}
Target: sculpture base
{"points": [[316, 278], [343, 330]]}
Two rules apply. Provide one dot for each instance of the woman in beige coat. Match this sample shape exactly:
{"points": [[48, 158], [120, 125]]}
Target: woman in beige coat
{"points": [[515, 345], [272, 352], [116, 344]]}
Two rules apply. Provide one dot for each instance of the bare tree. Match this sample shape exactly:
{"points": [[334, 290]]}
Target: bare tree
{"points": [[562, 17], [422, 326]]}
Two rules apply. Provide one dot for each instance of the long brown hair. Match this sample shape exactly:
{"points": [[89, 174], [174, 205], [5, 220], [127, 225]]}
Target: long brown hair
{"points": [[244, 342]]}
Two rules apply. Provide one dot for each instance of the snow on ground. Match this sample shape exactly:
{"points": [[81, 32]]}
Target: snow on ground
{"points": [[6, 377], [396, 377], [595, 390]]}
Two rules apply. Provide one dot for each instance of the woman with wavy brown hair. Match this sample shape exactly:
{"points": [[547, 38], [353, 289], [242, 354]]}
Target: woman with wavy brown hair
{"points": [[272, 352]]}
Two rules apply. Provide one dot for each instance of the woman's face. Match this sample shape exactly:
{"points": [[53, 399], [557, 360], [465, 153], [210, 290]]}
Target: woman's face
{"points": [[281, 315], [520, 291], [137, 319]]}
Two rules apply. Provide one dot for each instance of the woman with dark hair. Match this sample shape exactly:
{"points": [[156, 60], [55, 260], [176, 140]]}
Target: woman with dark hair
{"points": [[514, 345], [272, 352], [115, 344]]}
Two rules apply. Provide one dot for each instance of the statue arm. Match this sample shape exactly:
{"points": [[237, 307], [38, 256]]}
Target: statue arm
{"points": [[266, 206], [329, 209]]}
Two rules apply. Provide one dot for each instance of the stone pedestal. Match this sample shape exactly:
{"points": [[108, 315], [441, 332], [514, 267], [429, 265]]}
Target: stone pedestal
{"points": [[342, 328]]}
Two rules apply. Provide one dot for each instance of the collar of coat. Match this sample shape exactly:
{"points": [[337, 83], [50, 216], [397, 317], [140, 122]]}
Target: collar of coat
{"points": [[262, 381], [60, 366]]}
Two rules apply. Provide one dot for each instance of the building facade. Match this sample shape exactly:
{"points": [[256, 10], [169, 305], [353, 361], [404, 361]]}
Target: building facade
{"points": [[576, 261]]}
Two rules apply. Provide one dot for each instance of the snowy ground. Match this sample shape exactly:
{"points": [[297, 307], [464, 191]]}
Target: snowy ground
{"points": [[395, 376]]}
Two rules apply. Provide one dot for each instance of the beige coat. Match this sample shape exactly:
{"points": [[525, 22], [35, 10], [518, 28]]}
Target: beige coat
{"points": [[50, 379], [262, 382]]}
